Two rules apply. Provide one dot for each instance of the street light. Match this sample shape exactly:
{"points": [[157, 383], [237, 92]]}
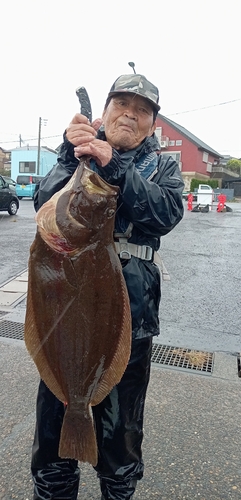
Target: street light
{"points": [[44, 122]]}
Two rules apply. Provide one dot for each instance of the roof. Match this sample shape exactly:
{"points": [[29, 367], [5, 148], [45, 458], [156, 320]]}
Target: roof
{"points": [[34, 148], [5, 150], [58, 148], [191, 137], [238, 179]]}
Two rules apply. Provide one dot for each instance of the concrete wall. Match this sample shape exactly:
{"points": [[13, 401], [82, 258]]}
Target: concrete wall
{"points": [[228, 192]]}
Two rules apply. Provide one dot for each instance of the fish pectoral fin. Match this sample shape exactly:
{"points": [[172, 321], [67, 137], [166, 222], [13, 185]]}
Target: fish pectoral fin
{"points": [[77, 439]]}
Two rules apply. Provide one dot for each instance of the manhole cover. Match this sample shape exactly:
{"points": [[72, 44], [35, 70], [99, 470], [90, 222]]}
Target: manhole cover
{"points": [[182, 358], [11, 330]]}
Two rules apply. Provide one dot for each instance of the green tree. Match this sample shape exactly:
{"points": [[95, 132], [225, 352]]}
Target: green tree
{"points": [[234, 165], [5, 172], [211, 182]]}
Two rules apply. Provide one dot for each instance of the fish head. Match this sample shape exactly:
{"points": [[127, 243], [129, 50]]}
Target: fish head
{"points": [[93, 201], [81, 213], [85, 210]]}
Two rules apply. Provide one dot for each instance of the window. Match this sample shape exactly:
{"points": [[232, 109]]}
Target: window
{"points": [[27, 167], [205, 157], [205, 187], [209, 166], [175, 155], [179, 142], [29, 179], [158, 133], [171, 143]]}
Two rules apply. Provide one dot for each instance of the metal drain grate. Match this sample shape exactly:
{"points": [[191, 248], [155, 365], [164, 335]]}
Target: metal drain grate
{"points": [[162, 354], [11, 330], [182, 358]]}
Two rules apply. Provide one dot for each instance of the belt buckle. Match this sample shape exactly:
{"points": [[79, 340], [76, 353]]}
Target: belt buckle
{"points": [[147, 252], [124, 254]]}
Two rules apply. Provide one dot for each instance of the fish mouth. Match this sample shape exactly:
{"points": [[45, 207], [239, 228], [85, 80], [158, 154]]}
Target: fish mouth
{"points": [[51, 230], [96, 185]]}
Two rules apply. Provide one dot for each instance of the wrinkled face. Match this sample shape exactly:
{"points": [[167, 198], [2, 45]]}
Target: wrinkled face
{"points": [[128, 119]]}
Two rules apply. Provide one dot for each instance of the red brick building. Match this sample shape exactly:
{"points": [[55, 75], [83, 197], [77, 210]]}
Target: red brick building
{"points": [[196, 159]]}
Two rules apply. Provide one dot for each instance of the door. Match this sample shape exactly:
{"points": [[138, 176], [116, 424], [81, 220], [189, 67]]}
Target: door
{"points": [[4, 195]]}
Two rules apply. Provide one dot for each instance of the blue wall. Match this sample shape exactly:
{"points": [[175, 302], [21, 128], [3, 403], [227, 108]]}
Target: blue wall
{"points": [[47, 160]]}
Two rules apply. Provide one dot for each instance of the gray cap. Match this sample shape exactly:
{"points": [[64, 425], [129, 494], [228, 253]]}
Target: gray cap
{"points": [[136, 84]]}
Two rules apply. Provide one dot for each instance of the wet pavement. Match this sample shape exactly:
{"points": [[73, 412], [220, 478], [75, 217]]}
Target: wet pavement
{"points": [[191, 447]]}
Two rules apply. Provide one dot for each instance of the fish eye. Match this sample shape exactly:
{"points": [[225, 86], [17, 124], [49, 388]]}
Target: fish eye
{"points": [[101, 202], [110, 213]]}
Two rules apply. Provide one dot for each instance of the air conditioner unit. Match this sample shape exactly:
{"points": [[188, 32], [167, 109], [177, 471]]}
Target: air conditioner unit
{"points": [[164, 144]]}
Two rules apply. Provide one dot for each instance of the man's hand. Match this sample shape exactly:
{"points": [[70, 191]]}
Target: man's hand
{"points": [[82, 135], [101, 151], [80, 130]]}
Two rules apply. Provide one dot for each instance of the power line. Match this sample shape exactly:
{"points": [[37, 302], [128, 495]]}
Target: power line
{"points": [[204, 107], [7, 133], [171, 114], [33, 139], [229, 150]]}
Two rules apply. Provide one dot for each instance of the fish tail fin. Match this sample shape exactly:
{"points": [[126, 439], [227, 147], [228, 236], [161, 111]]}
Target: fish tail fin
{"points": [[78, 439]]}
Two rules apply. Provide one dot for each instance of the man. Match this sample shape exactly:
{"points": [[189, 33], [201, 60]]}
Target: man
{"points": [[123, 153]]}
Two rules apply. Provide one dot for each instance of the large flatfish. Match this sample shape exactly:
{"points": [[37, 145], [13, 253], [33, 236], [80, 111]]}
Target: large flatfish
{"points": [[78, 320]]}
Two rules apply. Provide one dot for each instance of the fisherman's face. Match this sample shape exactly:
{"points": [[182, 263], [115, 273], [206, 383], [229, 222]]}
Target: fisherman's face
{"points": [[128, 119]]}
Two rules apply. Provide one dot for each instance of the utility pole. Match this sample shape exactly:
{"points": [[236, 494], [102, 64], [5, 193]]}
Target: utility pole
{"points": [[20, 140], [39, 140]]}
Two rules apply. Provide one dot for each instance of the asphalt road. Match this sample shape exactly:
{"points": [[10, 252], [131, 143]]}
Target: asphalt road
{"points": [[16, 235], [192, 430], [200, 306]]}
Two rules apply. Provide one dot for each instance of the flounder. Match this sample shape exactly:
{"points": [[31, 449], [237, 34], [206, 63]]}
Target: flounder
{"points": [[78, 319]]}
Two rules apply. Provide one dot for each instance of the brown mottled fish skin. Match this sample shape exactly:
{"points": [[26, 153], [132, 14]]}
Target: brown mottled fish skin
{"points": [[78, 319]]}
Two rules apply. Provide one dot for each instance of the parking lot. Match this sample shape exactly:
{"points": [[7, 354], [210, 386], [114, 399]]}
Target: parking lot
{"points": [[201, 303], [192, 430]]}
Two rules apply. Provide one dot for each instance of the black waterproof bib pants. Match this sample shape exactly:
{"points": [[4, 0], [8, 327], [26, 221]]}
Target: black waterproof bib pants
{"points": [[119, 429]]}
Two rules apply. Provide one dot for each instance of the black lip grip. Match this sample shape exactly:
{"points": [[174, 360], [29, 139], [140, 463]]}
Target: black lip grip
{"points": [[85, 106]]}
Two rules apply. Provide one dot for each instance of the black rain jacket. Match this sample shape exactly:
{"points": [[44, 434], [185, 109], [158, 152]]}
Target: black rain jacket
{"points": [[153, 207]]}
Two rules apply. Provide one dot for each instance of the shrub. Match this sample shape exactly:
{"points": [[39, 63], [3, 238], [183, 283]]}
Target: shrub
{"points": [[195, 183]]}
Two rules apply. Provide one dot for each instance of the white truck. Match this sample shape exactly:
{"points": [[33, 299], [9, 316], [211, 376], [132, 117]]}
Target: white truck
{"points": [[205, 195]]}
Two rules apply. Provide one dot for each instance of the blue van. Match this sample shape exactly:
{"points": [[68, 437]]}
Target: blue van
{"points": [[26, 185]]}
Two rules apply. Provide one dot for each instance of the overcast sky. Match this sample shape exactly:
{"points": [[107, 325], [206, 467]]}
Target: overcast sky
{"points": [[190, 49]]}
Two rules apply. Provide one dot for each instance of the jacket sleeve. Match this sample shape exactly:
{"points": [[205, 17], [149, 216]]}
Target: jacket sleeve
{"points": [[154, 206], [58, 177]]}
